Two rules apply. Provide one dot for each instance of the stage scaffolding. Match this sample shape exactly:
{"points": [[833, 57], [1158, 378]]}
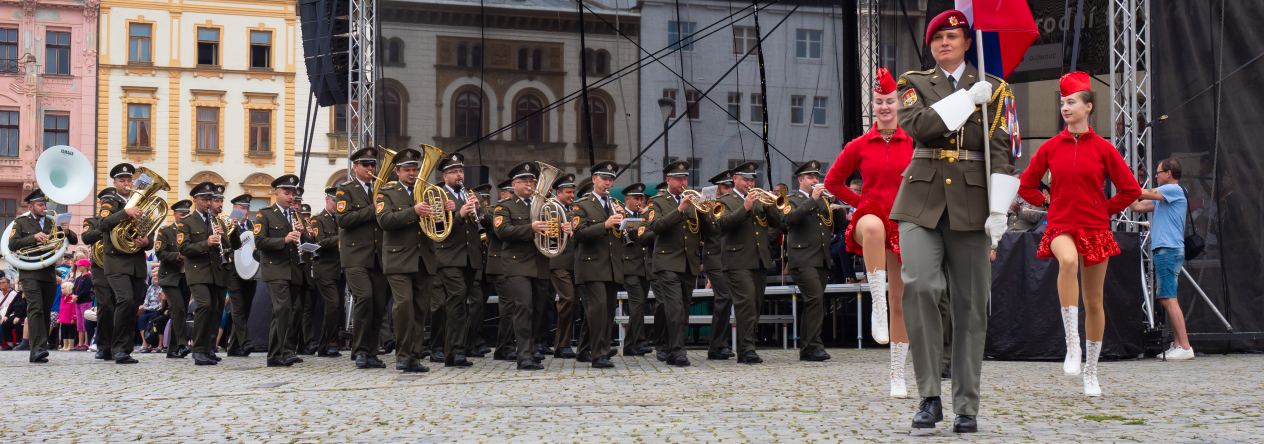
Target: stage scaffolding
{"points": [[868, 13], [362, 81], [1130, 82]]}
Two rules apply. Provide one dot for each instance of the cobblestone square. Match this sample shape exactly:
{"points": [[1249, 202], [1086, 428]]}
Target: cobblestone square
{"points": [[74, 398]]}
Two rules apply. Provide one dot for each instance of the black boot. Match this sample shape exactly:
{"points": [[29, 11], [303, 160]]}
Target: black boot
{"points": [[965, 424]]}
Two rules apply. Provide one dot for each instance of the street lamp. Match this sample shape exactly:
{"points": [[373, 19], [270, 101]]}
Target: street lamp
{"points": [[665, 105]]}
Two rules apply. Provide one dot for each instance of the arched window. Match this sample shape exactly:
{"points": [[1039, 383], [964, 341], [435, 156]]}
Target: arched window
{"points": [[590, 56], [392, 112], [476, 56], [522, 59], [532, 130], [468, 115], [600, 122], [537, 60], [462, 53], [603, 62], [394, 51]]}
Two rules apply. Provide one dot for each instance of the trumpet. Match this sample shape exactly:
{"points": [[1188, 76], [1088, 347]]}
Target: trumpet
{"points": [[300, 226], [618, 208], [703, 204], [769, 198]]}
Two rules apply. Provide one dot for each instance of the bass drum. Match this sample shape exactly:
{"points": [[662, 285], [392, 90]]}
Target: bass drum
{"points": [[244, 257]]}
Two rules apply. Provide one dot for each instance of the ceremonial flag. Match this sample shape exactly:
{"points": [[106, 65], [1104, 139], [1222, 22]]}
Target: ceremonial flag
{"points": [[1008, 30]]}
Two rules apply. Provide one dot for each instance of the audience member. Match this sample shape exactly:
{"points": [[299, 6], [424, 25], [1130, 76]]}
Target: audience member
{"points": [[66, 316], [12, 316], [151, 308], [84, 299], [1167, 242]]}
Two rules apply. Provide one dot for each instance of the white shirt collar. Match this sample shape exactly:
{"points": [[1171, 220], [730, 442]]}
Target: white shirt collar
{"points": [[805, 193], [739, 194], [957, 73]]}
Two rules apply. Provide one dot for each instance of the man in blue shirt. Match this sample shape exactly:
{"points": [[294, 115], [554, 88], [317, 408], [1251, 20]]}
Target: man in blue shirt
{"points": [[1167, 241]]}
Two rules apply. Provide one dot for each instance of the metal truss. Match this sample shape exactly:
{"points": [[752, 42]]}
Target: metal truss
{"points": [[870, 57], [362, 82], [1130, 81]]}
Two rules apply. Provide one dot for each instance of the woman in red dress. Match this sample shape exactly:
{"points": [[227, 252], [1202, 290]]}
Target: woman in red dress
{"points": [[1078, 235], [881, 155]]}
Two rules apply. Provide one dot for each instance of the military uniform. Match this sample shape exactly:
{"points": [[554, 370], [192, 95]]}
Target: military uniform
{"points": [[205, 273], [458, 262], [598, 263], [302, 339], [635, 249], [126, 273], [525, 268], [280, 271], [241, 291], [746, 259], [39, 286], [676, 261], [359, 239], [172, 280], [941, 207], [505, 334], [713, 268], [482, 289], [103, 294], [327, 274], [562, 274], [811, 223]]}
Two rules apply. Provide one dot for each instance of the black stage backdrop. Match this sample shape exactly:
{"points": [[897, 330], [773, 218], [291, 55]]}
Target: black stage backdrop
{"points": [[1025, 322]]}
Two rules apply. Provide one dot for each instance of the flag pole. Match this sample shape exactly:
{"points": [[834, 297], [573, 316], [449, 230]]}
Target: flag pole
{"points": [[987, 142]]}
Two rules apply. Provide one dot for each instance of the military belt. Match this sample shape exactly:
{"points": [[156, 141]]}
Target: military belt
{"points": [[951, 155]]}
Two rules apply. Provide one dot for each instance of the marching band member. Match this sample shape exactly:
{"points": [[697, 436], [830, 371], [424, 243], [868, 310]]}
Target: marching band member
{"points": [[359, 238], [171, 277], [881, 155], [634, 280], [458, 261], [505, 333], [713, 267], [947, 218], [103, 295], [599, 259], [1078, 232], [302, 338], [676, 258], [203, 243], [561, 275], [126, 272], [811, 221], [481, 289], [277, 239], [745, 225], [39, 285], [241, 291], [327, 274]]}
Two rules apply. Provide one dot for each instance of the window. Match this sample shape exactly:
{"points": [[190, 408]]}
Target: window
{"points": [[757, 107], [260, 131], [680, 32], [392, 112], [598, 61], [600, 117], [807, 44], [462, 54], [735, 106], [8, 211], [57, 53], [476, 56], [691, 101], [138, 44], [670, 94], [394, 51], [56, 130], [469, 115], [207, 129], [523, 57], [532, 130], [260, 49], [537, 60], [796, 109], [745, 40], [9, 131], [208, 47], [818, 110], [138, 126], [340, 119]]}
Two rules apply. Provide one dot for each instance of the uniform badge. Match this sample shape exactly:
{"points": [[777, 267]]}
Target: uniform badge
{"points": [[496, 222], [258, 228], [498, 207], [158, 244], [339, 193], [640, 231], [315, 231], [901, 82], [576, 222], [380, 205], [650, 218], [785, 210], [909, 97], [179, 238], [105, 213], [342, 205], [85, 226]]}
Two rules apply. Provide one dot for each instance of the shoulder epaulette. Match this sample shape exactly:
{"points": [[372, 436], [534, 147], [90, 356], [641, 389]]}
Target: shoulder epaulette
{"points": [[390, 185], [924, 73]]}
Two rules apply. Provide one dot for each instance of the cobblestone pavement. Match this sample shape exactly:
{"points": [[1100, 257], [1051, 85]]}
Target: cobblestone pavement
{"points": [[77, 399]]}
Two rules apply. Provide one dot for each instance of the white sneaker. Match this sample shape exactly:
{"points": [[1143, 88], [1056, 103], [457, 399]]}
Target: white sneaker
{"points": [[1179, 354]]}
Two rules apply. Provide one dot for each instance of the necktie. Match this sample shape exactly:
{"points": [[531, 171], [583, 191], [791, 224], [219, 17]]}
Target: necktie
{"points": [[606, 204]]}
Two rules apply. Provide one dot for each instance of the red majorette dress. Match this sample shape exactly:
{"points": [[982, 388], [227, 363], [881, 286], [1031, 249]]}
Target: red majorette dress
{"points": [[882, 163], [1079, 166]]}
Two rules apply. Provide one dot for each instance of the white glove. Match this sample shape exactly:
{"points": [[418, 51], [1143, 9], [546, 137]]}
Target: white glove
{"points": [[995, 227], [1004, 188], [980, 92]]}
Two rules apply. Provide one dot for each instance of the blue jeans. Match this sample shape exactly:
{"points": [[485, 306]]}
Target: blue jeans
{"points": [[1167, 265]]}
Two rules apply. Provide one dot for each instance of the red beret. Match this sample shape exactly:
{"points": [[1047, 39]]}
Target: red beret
{"points": [[886, 84], [950, 19], [1072, 83]]}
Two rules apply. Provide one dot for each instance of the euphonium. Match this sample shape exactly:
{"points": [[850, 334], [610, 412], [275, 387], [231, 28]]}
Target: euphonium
{"points": [[384, 172], [769, 198], [552, 242], [438, 224], [153, 210], [225, 229]]}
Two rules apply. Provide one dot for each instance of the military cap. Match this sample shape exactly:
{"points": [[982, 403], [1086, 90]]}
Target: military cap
{"points": [[950, 19], [182, 206], [585, 187], [122, 169], [525, 169], [206, 189], [607, 168], [365, 155], [454, 160], [288, 181], [331, 192], [660, 187], [724, 178], [636, 189], [219, 192], [243, 199], [677, 168], [484, 189], [105, 192], [809, 167], [507, 184], [565, 180], [36, 196], [747, 170], [407, 157], [305, 209]]}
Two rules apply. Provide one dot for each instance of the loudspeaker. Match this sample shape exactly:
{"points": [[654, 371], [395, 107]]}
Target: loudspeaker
{"points": [[476, 175]]}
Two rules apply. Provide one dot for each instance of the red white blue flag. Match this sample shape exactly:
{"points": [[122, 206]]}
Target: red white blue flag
{"points": [[1008, 30]]}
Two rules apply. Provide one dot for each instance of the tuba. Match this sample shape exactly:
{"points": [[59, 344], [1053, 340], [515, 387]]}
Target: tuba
{"points": [[552, 242], [154, 210], [384, 173], [438, 225], [65, 176]]}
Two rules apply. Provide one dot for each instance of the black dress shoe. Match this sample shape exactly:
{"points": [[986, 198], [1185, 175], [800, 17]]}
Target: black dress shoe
{"points": [[750, 357], [436, 356], [247, 350], [945, 371], [642, 350], [965, 424], [374, 362], [388, 346], [584, 357], [602, 363], [184, 350], [631, 352], [717, 356], [416, 367], [815, 356], [214, 357], [512, 356], [311, 349], [564, 353], [728, 352], [278, 364], [499, 357], [362, 361], [544, 349], [679, 361], [401, 366], [124, 358], [104, 355], [425, 353], [202, 359], [612, 353], [929, 412], [529, 364], [235, 353], [458, 360], [481, 350], [39, 357], [332, 352], [537, 356], [475, 353], [174, 355], [661, 355]]}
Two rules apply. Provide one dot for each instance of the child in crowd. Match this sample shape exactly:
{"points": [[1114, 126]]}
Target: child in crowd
{"points": [[84, 298], [66, 316]]}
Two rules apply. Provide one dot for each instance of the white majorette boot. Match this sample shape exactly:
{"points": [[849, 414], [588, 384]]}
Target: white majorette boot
{"points": [[878, 318], [1071, 324], [1091, 387], [899, 353]]}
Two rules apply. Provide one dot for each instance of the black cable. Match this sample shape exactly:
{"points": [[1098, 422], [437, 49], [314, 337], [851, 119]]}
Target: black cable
{"points": [[763, 88], [583, 78], [482, 69], [681, 53], [919, 44], [1079, 25]]}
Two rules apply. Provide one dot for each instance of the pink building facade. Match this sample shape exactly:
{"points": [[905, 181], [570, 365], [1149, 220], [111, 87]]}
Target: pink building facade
{"points": [[48, 93]]}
